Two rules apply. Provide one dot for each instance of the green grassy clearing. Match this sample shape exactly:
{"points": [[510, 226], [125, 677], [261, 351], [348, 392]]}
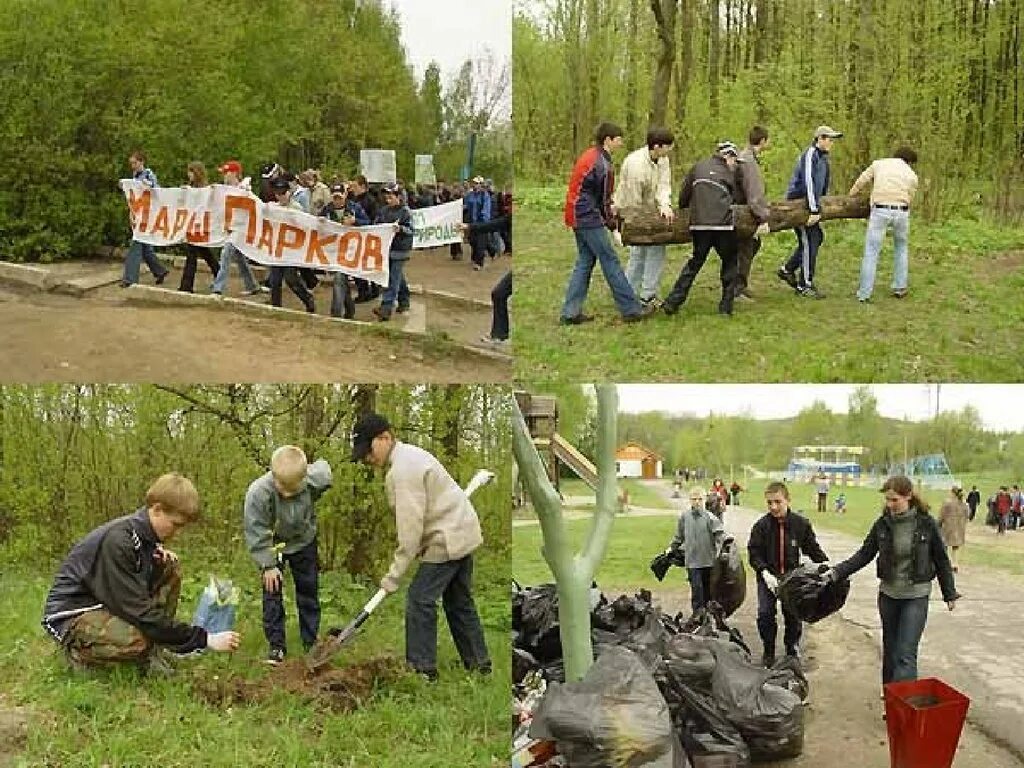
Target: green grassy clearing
{"points": [[123, 719], [961, 321]]}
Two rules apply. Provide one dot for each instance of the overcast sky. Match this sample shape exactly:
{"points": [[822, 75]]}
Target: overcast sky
{"points": [[1001, 405], [451, 31]]}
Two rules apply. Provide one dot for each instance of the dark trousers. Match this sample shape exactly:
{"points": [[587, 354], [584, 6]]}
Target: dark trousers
{"points": [[724, 243], [506, 234], [974, 511], [746, 250], [290, 275], [192, 254], [479, 245], [1001, 522], [805, 256], [307, 601], [365, 290], [499, 301], [823, 502], [902, 626], [452, 582], [456, 251], [700, 587], [767, 625]]}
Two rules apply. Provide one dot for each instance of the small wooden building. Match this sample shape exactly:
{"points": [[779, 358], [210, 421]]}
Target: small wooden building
{"points": [[635, 460]]}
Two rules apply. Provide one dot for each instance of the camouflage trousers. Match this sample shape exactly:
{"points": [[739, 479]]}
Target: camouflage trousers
{"points": [[98, 638]]}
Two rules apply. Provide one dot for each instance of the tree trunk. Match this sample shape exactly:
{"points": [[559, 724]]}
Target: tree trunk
{"points": [[714, 55], [358, 559], [573, 574], [665, 18], [632, 128], [648, 228]]}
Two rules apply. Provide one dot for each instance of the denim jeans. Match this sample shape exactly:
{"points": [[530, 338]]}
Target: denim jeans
{"points": [[307, 601], [767, 624], [644, 269], [398, 288], [805, 256], [880, 221], [453, 583], [220, 282], [342, 303], [499, 301], [902, 626], [594, 245], [137, 253], [700, 587]]}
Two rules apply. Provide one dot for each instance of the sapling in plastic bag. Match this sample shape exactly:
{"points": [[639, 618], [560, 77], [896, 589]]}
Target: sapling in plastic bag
{"points": [[217, 606]]}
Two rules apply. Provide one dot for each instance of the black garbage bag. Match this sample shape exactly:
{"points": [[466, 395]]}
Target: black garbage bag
{"points": [[665, 560], [523, 663], [770, 718], [615, 717], [538, 624], [807, 593], [788, 673], [709, 621], [729, 578], [700, 722]]}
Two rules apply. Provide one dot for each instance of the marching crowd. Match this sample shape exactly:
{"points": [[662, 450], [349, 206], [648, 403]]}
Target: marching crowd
{"points": [[596, 202], [487, 224]]}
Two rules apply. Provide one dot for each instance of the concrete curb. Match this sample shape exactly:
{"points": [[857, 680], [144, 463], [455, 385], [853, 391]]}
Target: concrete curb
{"points": [[25, 275], [148, 294]]}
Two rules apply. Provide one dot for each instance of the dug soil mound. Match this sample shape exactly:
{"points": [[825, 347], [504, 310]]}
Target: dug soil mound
{"points": [[336, 688]]}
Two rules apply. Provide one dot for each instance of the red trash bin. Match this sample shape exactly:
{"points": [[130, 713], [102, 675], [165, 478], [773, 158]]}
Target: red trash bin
{"points": [[924, 718]]}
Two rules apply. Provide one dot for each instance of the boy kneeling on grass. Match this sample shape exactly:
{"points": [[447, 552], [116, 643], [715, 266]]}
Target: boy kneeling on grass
{"points": [[116, 594], [280, 527]]}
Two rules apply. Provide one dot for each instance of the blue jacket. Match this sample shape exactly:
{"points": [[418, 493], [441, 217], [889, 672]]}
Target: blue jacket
{"points": [[588, 198], [478, 204], [810, 178], [402, 244]]}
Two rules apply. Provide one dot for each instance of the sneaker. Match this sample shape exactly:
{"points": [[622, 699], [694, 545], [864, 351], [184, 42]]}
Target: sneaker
{"points": [[646, 310], [477, 267], [899, 294], [865, 300], [725, 309], [670, 309], [494, 343], [767, 660], [156, 664], [787, 277], [275, 657], [810, 292], [429, 674], [256, 291], [160, 279], [745, 296], [401, 310], [381, 314], [652, 301], [578, 320], [481, 669]]}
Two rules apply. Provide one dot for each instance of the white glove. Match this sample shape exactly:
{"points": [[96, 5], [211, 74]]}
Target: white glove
{"points": [[223, 641], [762, 230], [813, 219], [770, 581]]}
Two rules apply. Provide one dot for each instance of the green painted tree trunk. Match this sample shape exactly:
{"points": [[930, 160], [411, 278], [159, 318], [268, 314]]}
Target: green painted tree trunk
{"points": [[573, 572]]}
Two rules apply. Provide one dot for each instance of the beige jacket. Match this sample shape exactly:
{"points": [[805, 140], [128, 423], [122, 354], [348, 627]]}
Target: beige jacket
{"points": [[893, 182], [643, 183], [436, 521]]}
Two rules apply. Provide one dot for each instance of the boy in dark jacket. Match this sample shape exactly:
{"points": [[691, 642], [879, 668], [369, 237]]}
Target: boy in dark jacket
{"points": [[774, 548], [709, 192], [397, 214], [343, 210], [116, 594], [809, 182]]}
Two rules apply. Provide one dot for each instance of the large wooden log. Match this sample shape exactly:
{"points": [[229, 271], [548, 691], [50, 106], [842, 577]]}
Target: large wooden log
{"points": [[643, 228]]}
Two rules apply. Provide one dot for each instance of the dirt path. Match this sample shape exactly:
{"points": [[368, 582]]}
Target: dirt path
{"points": [[50, 337], [104, 337]]}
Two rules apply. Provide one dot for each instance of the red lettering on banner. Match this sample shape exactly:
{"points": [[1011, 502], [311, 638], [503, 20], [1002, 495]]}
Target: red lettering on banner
{"points": [[162, 223], [266, 242], [180, 217], [246, 205], [317, 243], [138, 208], [349, 246], [289, 236], [373, 256], [197, 233]]}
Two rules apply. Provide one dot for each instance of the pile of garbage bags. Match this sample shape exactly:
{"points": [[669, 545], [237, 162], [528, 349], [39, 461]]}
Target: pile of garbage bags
{"points": [[664, 691]]}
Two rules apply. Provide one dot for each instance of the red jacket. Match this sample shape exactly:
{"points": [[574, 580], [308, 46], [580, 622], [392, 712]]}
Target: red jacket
{"points": [[1003, 503]]}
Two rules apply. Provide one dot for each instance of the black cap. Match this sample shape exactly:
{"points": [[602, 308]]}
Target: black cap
{"points": [[368, 427], [280, 184], [392, 189]]}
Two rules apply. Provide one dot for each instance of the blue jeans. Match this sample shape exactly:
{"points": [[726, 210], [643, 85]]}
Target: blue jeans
{"points": [[397, 287], [700, 586], [594, 245], [902, 626], [307, 599], [644, 269], [880, 221], [137, 253], [453, 583], [220, 282], [767, 622]]}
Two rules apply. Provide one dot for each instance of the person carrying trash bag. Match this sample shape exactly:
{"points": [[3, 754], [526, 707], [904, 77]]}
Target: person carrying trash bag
{"points": [[699, 534], [776, 541], [911, 553]]}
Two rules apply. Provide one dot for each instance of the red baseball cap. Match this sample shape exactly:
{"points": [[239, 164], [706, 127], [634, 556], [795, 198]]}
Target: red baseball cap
{"points": [[232, 166]]}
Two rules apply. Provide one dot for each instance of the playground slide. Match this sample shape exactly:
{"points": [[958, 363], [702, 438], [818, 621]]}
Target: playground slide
{"points": [[573, 459]]}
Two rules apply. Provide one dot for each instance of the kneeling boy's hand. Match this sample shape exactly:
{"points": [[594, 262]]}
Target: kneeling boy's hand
{"points": [[272, 579], [223, 641]]}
